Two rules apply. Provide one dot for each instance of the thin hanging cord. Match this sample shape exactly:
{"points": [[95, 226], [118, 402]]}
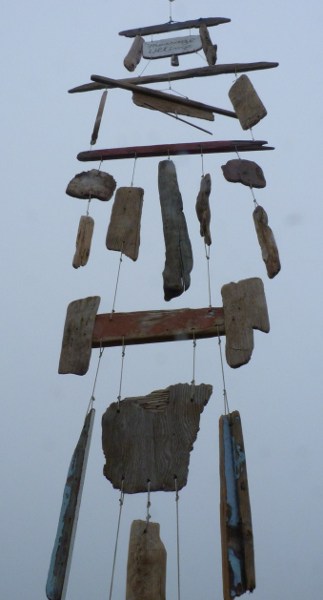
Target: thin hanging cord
{"points": [[253, 196], [117, 283], [225, 395], [148, 515], [193, 369], [121, 373], [202, 161], [177, 541], [207, 256], [133, 170], [88, 206], [121, 501], [92, 399]]}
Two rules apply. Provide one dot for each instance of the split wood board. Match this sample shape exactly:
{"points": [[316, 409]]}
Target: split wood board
{"points": [[267, 243], [92, 184], [149, 438], [170, 105], [171, 47], [83, 241], [243, 171], [246, 102], [124, 228], [174, 26], [146, 568]]}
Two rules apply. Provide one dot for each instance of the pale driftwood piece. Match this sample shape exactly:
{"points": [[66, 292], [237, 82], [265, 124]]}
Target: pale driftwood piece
{"points": [[124, 228], [175, 26], [83, 242], [246, 102], [146, 568], [236, 525], [98, 119], [203, 208], [170, 105], [171, 47], [267, 243], [179, 257], [209, 49], [243, 171], [134, 55], [245, 309], [77, 337], [59, 568], [150, 437], [92, 184]]}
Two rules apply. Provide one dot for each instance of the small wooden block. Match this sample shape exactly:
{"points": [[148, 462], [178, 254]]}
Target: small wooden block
{"points": [[92, 184], [146, 569], [266, 241], [150, 437], [171, 105], [134, 55], [203, 208], [97, 124], [209, 49], [246, 102], [172, 46], [77, 337], [244, 171], [124, 228], [83, 242]]}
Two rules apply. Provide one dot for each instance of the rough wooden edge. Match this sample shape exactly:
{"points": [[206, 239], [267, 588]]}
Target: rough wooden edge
{"points": [[175, 26]]}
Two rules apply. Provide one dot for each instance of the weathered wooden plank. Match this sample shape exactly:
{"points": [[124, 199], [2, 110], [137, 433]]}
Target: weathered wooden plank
{"points": [[179, 257], [267, 243], [124, 227], [246, 102], [245, 309], [203, 208], [83, 241], [59, 568], [150, 437], [92, 184], [77, 337], [146, 568], [175, 26], [134, 55], [172, 47], [98, 119], [243, 171], [170, 105], [209, 49], [150, 327]]}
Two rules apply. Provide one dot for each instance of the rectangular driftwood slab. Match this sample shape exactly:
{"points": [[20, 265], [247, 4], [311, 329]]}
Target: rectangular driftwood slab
{"points": [[267, 243], [124, 228], [246, 102], [83, 241], [170, 105], [175, 26], [146, 568], [172, 46], [77, 337]]}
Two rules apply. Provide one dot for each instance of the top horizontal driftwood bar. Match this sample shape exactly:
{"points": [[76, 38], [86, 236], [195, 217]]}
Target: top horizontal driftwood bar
{"points": [[169, 26]]}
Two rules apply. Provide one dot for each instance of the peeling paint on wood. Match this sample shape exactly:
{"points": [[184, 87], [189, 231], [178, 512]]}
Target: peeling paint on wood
{"points": [[146, 568], [246, 102]]}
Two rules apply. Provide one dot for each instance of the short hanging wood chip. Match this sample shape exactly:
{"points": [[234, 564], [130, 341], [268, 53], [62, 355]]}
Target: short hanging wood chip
{"points": [[203, 208], [124, 228], [246, 102], [267, 243], [243, 171], [83, 241], [134, 55], [209, 48], [92, 184], [146, 568], [98, 119]]}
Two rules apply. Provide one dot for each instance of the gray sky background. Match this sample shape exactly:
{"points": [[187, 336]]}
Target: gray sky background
{"points": [[46, 49]]}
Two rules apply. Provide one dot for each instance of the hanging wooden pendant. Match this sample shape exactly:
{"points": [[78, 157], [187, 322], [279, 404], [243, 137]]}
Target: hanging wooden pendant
{"points": [[203, 208], [92, 184], [146, 568], [124, 228], [243, 171], [98, 119], [171, 104], [236, 526], [134, 55], [83, 241], [246, 102], [179, 257], [266, 241], [150, 437], [209, 49]]}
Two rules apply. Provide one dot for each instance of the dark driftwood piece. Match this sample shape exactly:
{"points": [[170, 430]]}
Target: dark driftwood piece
{"points": [[83, 242], [77, 337], [209, 48], [179, 258], [124, 228], [203, 208], [98, 119], [267, 243], [175, 26], [135, 53], [243, 171], [146, 568], [63, 547], [246, 102], [170, 105], [150, 437], [236, 525], [245, 309], [92, 184]]}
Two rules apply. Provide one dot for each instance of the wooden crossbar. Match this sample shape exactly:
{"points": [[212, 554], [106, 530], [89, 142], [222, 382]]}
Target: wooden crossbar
{"points": [[176, 26]]}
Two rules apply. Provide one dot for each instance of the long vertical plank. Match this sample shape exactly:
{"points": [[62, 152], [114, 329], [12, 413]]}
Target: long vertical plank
{"points": [[146, 568], [83, 241]]}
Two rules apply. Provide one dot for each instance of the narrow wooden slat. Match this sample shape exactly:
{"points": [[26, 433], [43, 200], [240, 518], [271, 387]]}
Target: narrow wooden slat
{"points": [[124, 228], [134, 55], [170, 105], [267, 243], [98, 119], [83, 242], [146, 568], [203, 208], [92, 184], [246, 102], [176, 26], [171, 47], [209, 49], [243, 171]]}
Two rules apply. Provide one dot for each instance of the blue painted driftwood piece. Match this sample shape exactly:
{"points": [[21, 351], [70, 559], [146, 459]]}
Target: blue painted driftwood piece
{"points": [[63, 547]]}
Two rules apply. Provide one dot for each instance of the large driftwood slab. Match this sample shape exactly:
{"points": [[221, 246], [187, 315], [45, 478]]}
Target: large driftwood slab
{"points": [[124, 228], [243, 171], [172, 47], [174, 26], [83, 242], [245, 309], [77, 337], [203, 208], [236, 525], [209, 48], [179, 257], [63, 547], [92, 184], [134, 55], [97, 123], [149, 438], [267, 243], [170, 105], [246, 102], [146, 568]]}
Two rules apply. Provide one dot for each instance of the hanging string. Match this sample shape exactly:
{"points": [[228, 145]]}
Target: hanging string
{"points": [[177, 540], [148, 515], [121, 373], [100, 165], [92, 399], [170, 11], [202, 162], [207, 256], [121, 501], [88, 206], [193, 369], [253, 196], [133, 170], [117, 283], [225, 395]]}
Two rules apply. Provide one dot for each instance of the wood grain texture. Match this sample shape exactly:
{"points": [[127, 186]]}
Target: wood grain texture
{"points": [[98, 119], [244, 171], [134, 55], [124, 228], [83, 242], [246, 102], [179, 257], [202, 208], [267, 243], [209, 49], [245, 309], [146, 568], [150, 437], [92, 184], [175, 26], [170, 105]]}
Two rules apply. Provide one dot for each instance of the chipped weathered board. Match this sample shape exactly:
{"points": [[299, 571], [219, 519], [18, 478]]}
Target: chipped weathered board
{"points": [[124, 228], [134, 55], [150, 437], [209, 49], [174, 26], [170, 105], [83, 241], [92, 184], [179, 257], [243, 171], [203, 208], [246, 102], [245, 309], [77, 337], [97, 124], [267, 243], [172, 47], [146, 568]]}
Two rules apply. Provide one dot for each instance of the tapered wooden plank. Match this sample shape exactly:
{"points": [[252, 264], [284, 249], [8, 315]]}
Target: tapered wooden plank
{"points": [[83, 242], [57, 579], [92, 184], [243, 171], [246, 102], [209, 49], [172, 47], [124, 227], [146, 568], [245, 309], [174, 26], [150, 437], [179, 257], [170, 105], [267, 243], [98, 119], [134, 55], [203, 208], [77, 337]]}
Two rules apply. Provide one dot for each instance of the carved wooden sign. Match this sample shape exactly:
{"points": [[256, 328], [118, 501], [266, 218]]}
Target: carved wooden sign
{"points": [[172, 46]]}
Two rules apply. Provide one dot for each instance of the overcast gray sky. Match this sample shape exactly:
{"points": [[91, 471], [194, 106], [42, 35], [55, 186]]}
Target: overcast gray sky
{"points": [[46, 49]]}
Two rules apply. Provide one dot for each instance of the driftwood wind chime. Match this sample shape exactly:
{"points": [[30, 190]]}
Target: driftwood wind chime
{"points": [[147, 440]]}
